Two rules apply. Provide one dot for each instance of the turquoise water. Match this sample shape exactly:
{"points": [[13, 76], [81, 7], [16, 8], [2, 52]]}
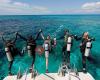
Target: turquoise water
{"points": [[53, 25]]}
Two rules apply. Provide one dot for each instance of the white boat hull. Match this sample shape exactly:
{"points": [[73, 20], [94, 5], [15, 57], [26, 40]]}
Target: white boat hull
{"points": [[53, 76]]}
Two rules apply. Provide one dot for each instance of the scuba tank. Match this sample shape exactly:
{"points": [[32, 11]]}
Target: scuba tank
{"points": [[8, 53], [46, 47], [69, 42], [55, 42], [29, 50], [88, 48]]}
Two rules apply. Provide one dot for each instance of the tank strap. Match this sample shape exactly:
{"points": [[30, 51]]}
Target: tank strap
{"points": [[46, 50], [7, 51], [69, 43], [28, 49], [88, 47]]}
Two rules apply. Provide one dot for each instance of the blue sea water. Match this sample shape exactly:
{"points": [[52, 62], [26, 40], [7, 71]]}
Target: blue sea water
{"points": [[53, 25]]}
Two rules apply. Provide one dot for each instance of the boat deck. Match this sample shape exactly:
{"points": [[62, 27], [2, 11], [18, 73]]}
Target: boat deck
{"points": [[53, 76]]}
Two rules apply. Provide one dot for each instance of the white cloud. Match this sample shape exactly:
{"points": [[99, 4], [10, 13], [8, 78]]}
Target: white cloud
{"points": [[15, 7], [86, 8], [10, 7], [93, 6], [20, 4], [4, 1]]}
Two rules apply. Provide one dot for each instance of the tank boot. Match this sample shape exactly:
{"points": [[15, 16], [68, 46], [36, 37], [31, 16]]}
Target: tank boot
{"points": [[30, 70], [32, 74], [47, 71], [10, 74], [84, 70], [68, 65]]}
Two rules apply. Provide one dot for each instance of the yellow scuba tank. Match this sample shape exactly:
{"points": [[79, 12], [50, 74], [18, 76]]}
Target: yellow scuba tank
{"points": [[65, 38], [69, 42], [8, 54]]}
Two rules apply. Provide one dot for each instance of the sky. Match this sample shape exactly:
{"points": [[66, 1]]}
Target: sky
{"points": [[43, 7]]}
